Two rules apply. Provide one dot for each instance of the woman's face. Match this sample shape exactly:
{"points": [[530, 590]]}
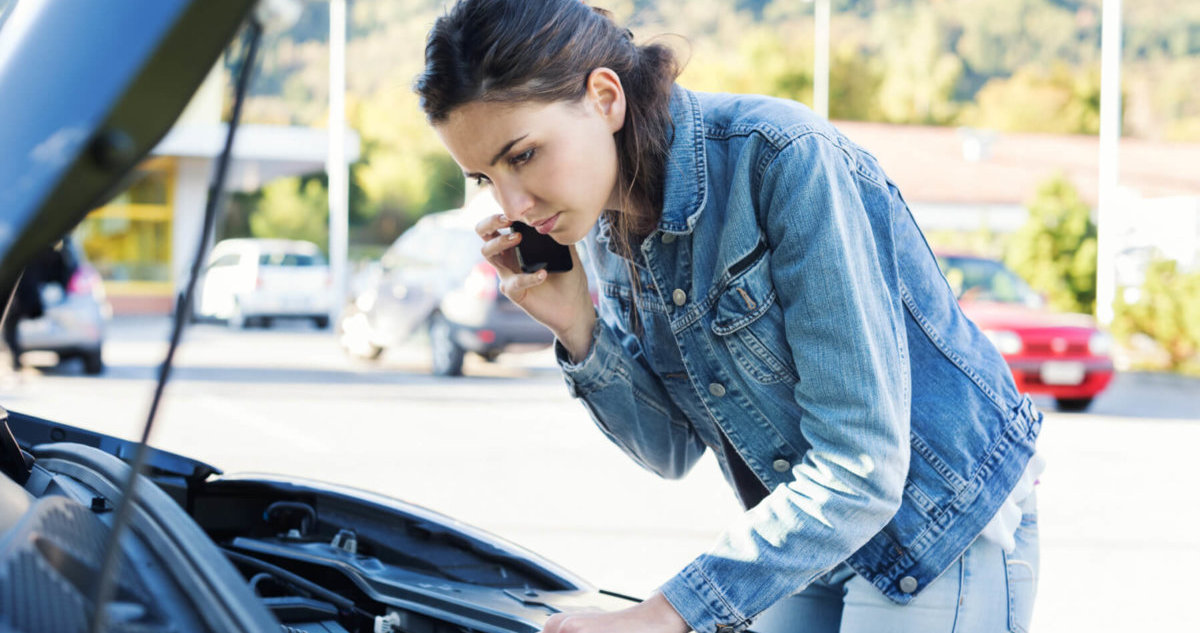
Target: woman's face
{"points": [[550, 165]]}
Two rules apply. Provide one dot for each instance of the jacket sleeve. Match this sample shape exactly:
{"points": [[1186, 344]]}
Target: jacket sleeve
{"points": [[833, 265], [630, 405]]}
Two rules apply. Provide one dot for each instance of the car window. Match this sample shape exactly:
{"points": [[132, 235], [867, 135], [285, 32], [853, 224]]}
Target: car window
{"points": [[230, 259], [462, 250], [977, 279], [404, 251], [290, 259]]}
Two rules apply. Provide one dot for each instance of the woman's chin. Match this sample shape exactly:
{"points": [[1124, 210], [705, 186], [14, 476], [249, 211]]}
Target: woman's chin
{"points": [[566, 235]]}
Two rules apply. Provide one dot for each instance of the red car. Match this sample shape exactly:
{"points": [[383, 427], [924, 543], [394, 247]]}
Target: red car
{"points": [[1062, 355]]}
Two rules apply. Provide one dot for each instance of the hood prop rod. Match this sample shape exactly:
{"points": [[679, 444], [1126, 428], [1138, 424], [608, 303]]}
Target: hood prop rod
{"points": [[106, 580]]}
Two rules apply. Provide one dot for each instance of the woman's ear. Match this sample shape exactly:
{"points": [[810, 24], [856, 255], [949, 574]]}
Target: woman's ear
{"points": [[605, 93]]}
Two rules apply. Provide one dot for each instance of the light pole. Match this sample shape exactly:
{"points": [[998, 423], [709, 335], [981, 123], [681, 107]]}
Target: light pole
{"points": [[335, 161], [1108, 214], [821, 57]]}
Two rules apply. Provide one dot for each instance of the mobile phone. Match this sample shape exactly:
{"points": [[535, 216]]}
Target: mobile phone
{"points": [[537, 251]]}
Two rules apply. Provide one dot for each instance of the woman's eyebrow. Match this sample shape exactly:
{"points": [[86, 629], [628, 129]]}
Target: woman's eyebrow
{"points": [[504, 150]]}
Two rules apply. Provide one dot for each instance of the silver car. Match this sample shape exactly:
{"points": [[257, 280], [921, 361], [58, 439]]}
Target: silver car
{"points": [[433, 279], [75, 313]]}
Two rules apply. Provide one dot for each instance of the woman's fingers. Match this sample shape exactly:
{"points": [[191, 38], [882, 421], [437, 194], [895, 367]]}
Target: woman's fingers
{"points": [[497, 246], [490, 226], [500, 243], [514, 286]]}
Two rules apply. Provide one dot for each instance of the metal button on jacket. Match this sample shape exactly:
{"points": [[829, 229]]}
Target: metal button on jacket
{"points": [[781, 465], [908, 584], [679, 297], [717, 389]]}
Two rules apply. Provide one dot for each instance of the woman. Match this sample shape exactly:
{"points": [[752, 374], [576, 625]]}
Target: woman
{"points": [[765, 294]]}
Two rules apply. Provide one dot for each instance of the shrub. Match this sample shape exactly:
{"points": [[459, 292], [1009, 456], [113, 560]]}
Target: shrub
{"points": [[1167, 309]]}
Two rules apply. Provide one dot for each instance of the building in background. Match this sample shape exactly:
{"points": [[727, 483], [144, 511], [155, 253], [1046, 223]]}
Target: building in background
{"points": [[144, 239], [962, 180]]}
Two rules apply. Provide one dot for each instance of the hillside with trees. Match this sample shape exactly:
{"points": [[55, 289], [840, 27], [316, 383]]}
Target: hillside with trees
{"points": [[1007, 65]]}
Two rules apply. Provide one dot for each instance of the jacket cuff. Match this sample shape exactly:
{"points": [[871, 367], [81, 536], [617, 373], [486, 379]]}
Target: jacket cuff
{"points": [[593, 371], [701, 604]]}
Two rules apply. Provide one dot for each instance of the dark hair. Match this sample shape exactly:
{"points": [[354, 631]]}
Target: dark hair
{"points": [[545, 50]]}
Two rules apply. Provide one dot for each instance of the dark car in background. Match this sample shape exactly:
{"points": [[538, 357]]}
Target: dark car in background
{"points": [[1065, 356], [434, 280], [100, 84]]}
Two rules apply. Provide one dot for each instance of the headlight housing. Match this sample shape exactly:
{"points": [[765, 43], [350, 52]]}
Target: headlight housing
{"points": [[1100, 344], [1008, 342]]}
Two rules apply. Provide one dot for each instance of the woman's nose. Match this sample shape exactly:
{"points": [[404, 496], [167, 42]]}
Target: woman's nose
{"points": [[515, 201]]}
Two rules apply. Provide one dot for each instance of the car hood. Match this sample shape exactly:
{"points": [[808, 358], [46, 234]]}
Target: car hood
{"points": [[75, 122], [1007, 316]]}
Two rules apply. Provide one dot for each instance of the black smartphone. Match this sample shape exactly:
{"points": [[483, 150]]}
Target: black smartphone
{"points": [[537, 251]]}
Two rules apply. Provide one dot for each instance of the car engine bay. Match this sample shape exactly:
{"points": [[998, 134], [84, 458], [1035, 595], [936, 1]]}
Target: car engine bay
{"points": [[251, 552]]}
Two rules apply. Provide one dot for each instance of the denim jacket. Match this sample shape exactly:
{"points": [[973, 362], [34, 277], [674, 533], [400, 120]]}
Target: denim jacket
{"points": [[790, 310]]}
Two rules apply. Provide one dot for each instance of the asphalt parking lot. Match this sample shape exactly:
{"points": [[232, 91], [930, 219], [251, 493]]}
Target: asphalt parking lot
{"points": [[505, 448]]}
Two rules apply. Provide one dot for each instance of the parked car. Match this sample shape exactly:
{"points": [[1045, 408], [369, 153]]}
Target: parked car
{"points": [[434, 279], [205, 552], [1065, 356], [75, 311], [252, 281]]}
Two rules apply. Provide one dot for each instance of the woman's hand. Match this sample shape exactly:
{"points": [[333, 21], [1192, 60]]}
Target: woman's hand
{"points": [[560, 301], [655, 615]]}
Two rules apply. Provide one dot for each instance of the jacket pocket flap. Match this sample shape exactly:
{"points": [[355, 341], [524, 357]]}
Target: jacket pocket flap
{"points": [[745, 298]]}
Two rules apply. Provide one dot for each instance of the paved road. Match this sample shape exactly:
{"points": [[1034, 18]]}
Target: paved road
{"points": [[506, 449]]}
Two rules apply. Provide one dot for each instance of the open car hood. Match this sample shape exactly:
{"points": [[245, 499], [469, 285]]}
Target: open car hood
{"points": [[89, 89]]}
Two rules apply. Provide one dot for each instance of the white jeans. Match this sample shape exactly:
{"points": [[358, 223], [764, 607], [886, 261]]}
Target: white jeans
{"points": [[984, 591]]}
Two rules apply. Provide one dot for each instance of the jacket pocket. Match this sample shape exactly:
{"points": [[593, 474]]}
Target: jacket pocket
{"points": [[749, 321]]}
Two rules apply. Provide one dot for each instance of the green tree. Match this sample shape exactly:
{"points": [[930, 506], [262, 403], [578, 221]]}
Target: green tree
{"points": [[920, 76], [1168, 311], [293, 208], [1055, 251], [1056, 101]]}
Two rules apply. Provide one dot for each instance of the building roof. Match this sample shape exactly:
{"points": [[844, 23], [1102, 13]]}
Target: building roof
{"points": [[929, 164], [261, 153]]}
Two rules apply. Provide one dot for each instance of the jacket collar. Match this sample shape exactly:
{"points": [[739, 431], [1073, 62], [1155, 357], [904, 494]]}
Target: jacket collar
{"points": [[685, 174], [686, 171]]}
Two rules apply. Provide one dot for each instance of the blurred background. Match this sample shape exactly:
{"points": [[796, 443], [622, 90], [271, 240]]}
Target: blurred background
{"points": [[985, 112], [1069, 229]]}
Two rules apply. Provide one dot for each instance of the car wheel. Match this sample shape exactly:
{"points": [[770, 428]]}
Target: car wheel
{"points": [[491, 356], [93, 363], [1073, 404], [321, 322], [237, 320], [447, 355]]}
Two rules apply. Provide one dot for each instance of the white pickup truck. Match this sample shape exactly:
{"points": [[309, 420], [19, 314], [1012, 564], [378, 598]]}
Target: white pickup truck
{"points": [[251, 281]]}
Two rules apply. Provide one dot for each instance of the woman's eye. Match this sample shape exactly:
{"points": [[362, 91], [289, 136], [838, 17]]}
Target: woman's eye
{"points": [[481, 180], [522, 158]]}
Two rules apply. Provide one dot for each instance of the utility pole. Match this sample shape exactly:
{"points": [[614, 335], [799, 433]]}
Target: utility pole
{"points": [[335, 162], [821, 60], [1109, 220], [821, 57]]}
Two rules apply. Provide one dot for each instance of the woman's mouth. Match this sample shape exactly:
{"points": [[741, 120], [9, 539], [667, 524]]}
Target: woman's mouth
{"points": [[547, 225]]}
